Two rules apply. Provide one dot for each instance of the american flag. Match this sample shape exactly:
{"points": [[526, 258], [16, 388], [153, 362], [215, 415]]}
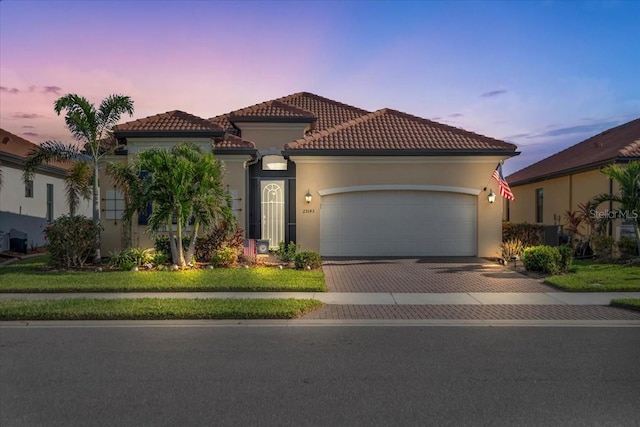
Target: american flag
{"points": [[504, 189], [249, 247]]}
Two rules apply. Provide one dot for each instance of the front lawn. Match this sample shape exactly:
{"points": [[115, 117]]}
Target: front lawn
{"points": [[633, 304], [31, 276], [592, 277], [155, 309]]}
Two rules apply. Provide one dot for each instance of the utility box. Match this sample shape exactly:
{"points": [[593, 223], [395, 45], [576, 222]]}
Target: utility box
{"points": [[17, 241], [552, 235]]}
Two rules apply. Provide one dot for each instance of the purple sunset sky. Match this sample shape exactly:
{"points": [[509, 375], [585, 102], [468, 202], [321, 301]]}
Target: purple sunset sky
{"points": [[543, 75]]}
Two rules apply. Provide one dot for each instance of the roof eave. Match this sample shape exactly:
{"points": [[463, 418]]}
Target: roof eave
{"points": [[270, 119], [21, 161], [234, 150], [571, 171], [401, 152]]}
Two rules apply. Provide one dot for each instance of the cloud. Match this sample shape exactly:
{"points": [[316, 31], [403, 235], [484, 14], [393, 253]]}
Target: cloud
{"points": [[27, 116], [52, 89], [493, 93], [12, 90], [31, 134], [593, 128], [28, 127], [456, 115]]}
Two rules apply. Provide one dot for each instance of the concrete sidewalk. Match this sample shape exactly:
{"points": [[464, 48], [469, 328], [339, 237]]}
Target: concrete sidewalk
{"points": [[354, 298]]}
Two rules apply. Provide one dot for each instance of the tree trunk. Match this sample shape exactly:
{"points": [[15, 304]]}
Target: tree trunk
{"points": [[192, 244], [96, 213], [180, 253], [172, 245], [636, 227]]}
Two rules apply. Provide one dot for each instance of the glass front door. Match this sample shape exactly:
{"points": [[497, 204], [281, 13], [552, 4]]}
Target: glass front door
{"points": [[272, 211]]}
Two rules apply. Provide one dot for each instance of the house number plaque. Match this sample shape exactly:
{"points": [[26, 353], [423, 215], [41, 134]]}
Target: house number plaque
{"points": [[308, 211]]}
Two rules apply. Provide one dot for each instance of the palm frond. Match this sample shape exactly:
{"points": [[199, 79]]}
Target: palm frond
{"points": [[78, 184], [50, 151]]}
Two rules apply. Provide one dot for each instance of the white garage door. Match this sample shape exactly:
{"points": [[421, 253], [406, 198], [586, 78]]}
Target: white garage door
{"points": [[398, 223]]}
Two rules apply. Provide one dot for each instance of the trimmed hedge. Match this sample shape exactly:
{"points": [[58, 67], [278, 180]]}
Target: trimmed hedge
{"points": [[544, 259]]}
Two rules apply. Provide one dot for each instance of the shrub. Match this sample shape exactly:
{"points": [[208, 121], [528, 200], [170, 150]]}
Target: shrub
{"points": [[287, 253], [604, 247], [628, 247], [306, 259], [161, 244], [511, 248], [224, 257], [528, 234], [130, 257], [545, 259], [566, 257], [159, 258], [70, 241], [223, 235]]}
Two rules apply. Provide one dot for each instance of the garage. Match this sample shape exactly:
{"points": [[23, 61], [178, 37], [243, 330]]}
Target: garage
{"points": [[398, 223]]}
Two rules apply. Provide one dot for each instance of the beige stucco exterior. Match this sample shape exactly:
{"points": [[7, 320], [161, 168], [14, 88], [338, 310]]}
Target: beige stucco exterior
{"points": [[271, 135], [456, 174]]}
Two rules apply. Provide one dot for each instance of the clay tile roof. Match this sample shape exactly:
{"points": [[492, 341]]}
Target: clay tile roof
{"points": [[329, 113], [301, 106], [616, 143], [232, 141], [388, 129], [17, 146], [172, 121], [271, 110]]}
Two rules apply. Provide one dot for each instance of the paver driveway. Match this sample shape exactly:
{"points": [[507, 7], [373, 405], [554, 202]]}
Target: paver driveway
{"points": [[426, 275]]}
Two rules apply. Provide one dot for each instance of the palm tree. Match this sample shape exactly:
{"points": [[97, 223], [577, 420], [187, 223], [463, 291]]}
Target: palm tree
{"points": [[628, 195], [78, 184], [183, 184], [90, 126]]}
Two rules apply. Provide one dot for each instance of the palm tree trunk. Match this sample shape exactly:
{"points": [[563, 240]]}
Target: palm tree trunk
{"points": [[172, 245], [180, 260], [192, 244], [96, 212], [636, 227]]}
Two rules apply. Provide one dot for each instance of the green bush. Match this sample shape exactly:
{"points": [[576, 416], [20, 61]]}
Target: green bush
{"points": [[604, 247], [161, 244], [628, 247], [223, 235], [528, 234], [224, 257], [70, 241], [566, 257], [287, 253], [306, 259], [130, 257], [545, 259]]}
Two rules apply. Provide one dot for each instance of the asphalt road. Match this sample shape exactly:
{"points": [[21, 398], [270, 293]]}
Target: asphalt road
{"points": [[323, 375]]}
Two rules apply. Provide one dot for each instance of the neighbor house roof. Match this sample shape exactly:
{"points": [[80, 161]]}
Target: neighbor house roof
{"points": [[170, 123], [19, 148], [387, 131], [299, 107], [616, 144]]}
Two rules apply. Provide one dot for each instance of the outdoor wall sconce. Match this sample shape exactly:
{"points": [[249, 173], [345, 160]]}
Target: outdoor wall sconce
{"points": [[492, 196], [308, 197]]}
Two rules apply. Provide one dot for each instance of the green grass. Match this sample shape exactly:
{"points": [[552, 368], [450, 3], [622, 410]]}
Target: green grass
{"points": [[155, 309], [592, 277], [31, 276], [633, 304]]}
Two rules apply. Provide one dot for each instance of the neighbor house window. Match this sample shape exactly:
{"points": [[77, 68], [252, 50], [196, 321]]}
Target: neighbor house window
{"points": [[28, 189], [49, 202], [539, 204], [114, 204]]}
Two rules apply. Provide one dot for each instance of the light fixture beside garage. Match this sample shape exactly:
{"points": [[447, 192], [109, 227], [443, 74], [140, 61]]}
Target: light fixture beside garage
{"points": [[492, 196], [308, 197]]}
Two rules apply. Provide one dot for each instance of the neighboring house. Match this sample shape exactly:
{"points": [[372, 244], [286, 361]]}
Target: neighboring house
{"points": [[337, 179], [28, 207], [546, 190]]}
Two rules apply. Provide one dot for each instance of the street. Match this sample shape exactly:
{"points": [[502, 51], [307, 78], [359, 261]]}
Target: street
{"points": [[172, 373]]}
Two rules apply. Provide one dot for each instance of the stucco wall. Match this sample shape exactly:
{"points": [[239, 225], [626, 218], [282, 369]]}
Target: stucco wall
{"points": [[271, 135], [314, 174]]}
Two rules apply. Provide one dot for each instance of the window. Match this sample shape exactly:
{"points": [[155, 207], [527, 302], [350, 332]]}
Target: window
{"points": [[28, 189], [49, 202], [114, 204], [539, 204]]}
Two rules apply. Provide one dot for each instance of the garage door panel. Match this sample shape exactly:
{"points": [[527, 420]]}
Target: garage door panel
{"points": [[398, 223]]}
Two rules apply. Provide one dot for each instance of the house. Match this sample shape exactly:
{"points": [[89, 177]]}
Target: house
{"points": [[28, 207], [547, 189], [336, 178]]}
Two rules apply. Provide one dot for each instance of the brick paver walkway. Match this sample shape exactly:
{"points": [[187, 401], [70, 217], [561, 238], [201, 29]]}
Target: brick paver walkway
{"points": [[426, 275], [474, 312]]}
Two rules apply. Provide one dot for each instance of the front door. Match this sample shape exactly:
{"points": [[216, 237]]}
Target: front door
{"points": [[272, 194]]}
